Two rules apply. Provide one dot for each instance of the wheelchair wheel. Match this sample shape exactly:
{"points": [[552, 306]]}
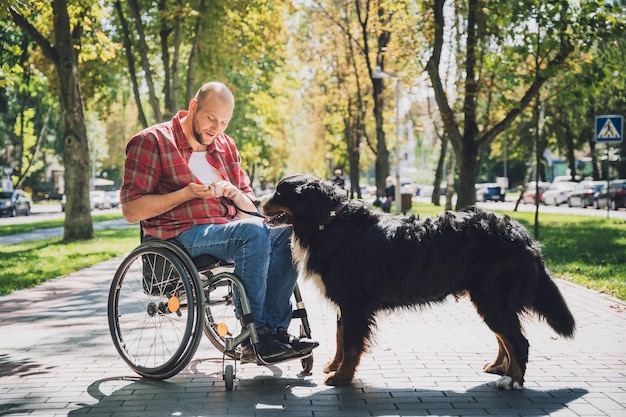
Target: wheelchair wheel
{"points": [[229, 377], [155, 311], [219, 307]]}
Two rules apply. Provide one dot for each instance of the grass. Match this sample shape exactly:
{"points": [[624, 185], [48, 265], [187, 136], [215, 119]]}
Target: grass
{"points": [[589, 251], [31, 263], [12, 229]]}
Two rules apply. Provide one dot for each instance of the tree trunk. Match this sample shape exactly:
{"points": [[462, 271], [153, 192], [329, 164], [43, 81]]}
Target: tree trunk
{"points": [[145, 62], [131, 63], [176, 62], [450, 180], [164, 34], [467, 160], [381, 152], [436, 197], [34, 156], [78, 222], [191, 88]]}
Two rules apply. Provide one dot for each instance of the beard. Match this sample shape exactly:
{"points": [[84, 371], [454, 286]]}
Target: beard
{"points": [[199, 137]]}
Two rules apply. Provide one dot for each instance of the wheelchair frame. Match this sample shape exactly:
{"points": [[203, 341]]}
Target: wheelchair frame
{"points": [[161, 301]]}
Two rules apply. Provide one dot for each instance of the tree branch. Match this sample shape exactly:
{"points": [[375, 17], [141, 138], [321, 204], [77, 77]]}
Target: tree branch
{"points": [[46, 47]]}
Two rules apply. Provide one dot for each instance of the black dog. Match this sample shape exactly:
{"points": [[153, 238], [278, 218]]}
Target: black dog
{"points": [[366, 261]]}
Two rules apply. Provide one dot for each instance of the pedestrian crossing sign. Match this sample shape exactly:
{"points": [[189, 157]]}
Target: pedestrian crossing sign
{"points": [[609, 128]]}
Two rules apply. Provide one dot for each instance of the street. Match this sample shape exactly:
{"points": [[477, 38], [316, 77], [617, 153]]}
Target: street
{"points": [[51, 211], [46, 211]]}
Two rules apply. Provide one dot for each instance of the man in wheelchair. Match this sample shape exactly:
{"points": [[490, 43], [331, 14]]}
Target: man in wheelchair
{"points": [[183, 180]]}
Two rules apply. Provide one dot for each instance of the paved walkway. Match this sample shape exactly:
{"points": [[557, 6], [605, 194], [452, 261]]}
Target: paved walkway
{"points": [[57, 359]]}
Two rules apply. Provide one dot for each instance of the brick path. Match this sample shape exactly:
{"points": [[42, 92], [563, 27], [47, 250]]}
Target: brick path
{"points": [[57, 359]]}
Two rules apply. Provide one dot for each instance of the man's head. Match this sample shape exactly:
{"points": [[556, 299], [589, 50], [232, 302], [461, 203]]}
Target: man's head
{"points": [[210, 111]]}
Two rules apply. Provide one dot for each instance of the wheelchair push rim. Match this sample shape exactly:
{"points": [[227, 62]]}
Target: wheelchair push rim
{"points": [[156, 324]]}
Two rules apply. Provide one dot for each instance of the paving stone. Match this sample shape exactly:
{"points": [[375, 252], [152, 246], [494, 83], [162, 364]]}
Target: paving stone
{"points": [[57, 359]]}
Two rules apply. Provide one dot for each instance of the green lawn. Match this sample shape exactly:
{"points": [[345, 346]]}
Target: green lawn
{"points": [[29, 227], [30, 263], [589, 251]]}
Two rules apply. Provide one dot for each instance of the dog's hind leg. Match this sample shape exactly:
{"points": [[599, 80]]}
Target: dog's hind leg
{"points": [[356, 329], [333, 364], [500, 364], [507, 328]]}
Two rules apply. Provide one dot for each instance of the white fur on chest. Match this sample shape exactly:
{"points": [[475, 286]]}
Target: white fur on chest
{"points": [[300, 256]]}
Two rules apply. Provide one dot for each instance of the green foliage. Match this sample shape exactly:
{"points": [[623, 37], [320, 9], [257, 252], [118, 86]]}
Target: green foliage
{"points": [[28, 264], [12, 229], [293, 67]]}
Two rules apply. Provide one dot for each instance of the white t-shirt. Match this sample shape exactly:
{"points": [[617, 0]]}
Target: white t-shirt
{"points": [[201, 168]]}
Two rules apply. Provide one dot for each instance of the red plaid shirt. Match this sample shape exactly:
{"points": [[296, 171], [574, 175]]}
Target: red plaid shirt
{"points": [[157, 163]]}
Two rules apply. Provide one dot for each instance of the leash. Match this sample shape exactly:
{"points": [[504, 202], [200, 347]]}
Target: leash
{"points": [[250, 213]]}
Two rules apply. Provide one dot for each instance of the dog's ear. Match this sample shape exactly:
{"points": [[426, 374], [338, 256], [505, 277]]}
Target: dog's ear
{"points": [[319, 197]]}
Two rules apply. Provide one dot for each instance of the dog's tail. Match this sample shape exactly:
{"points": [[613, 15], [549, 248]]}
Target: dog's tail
{"points": [[550, 304]]}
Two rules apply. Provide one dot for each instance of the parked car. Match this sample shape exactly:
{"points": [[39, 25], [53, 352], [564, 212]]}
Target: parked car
{"points": [[14, 203], [558, 192], [616, 196], [99, 200], [489, 192], [528, 197], [585, 194], [114, 197]]}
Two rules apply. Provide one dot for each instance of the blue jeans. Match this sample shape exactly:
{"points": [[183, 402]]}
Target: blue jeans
{"points": [[262, 259]]}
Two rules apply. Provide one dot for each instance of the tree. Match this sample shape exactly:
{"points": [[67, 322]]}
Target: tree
{"points": [[347, 43], [497, 59], [63, 52], [25, 110], [242, 43]]}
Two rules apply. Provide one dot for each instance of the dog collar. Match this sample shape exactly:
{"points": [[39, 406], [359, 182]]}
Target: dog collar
{"points": [[333, 213]]}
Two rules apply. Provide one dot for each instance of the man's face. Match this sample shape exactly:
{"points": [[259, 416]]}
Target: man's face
{"points": [[210, 119]]}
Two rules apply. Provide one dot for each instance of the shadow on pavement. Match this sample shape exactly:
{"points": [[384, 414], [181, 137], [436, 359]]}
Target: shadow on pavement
{"points": [[268, 395]]}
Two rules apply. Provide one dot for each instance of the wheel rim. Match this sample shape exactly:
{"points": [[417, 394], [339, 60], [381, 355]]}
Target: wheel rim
{"points": [[152, 325], [220, 318]]}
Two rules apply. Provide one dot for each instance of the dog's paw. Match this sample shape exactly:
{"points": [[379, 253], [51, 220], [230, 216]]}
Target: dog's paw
{"points": [[494, 368], [336, 379], [507, 383]]}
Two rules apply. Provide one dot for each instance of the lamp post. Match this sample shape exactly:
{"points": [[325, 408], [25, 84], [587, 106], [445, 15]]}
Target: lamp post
{"points": [[379, 75]]}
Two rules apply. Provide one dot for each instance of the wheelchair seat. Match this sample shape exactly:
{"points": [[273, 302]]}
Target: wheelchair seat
{"points": [[202, 262]]}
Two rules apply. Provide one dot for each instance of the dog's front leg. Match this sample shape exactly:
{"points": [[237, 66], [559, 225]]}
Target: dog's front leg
{"points": [[333, 364], [355, 330]]}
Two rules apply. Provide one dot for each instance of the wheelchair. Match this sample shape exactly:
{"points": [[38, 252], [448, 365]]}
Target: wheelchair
{"points": [[161, 301]]}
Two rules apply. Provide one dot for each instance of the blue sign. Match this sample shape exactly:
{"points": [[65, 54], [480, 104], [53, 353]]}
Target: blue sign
{"points": [[609, 128]]}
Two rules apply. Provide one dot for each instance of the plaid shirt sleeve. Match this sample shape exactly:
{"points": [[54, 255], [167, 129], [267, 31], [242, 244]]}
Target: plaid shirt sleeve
{"points": [[156, 163]]}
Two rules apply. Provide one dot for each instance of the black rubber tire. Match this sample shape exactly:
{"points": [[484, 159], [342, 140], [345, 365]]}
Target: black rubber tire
{"points": [[156, 326]]}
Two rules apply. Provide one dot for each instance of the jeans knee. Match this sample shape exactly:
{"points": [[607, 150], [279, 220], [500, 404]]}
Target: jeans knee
{"points": [[255, 233]]}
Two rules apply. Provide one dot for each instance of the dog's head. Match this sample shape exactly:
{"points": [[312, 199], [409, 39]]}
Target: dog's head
{"points": [[300, 200]]}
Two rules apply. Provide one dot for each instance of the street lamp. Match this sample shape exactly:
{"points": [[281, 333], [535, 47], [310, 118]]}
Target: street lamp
{"points": [[380, 75]]}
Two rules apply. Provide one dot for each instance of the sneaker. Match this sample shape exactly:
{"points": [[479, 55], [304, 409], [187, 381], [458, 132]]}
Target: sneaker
{"points": [[248, 355], [269, 349], [302, 346]]}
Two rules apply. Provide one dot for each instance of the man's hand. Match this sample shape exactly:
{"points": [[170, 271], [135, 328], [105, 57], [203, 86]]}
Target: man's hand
{"points": [[217, 190]]}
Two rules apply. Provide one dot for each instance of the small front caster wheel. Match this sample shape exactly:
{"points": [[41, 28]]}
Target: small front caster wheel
{"points": [[229, 377]]}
